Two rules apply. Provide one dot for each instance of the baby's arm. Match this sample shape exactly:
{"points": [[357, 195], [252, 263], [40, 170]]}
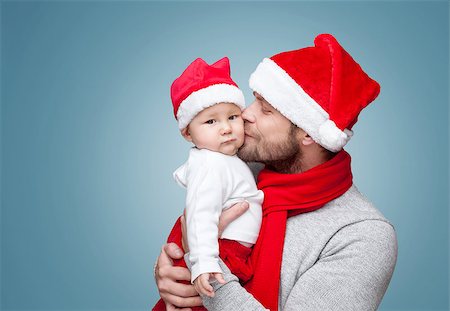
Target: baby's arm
{"points": [[203, 209]]}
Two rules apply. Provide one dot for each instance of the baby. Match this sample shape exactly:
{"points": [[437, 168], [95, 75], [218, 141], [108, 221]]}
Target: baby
{"points": [[208, 105]]}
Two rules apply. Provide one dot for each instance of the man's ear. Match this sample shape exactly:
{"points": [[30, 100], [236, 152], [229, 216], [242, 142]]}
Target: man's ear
{"points": [[307, 140], [185, 133]]}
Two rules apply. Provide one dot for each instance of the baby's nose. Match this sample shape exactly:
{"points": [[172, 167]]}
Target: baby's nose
{"points": [[226, 128]]}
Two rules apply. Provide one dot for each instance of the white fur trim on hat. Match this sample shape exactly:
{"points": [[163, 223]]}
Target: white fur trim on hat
{"points": [[284, 94], [207, 97], [331, 137]]}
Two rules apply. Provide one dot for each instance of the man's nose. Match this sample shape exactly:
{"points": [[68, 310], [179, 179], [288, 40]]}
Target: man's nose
{"points": [[248, 114]]}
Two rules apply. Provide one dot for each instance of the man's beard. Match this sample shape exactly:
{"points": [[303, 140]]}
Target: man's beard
{"points": [[279, 153]]}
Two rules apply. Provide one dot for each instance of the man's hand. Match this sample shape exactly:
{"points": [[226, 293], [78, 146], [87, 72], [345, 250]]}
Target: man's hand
{"points": [[177, 296], [231, 214], [225, 219]]}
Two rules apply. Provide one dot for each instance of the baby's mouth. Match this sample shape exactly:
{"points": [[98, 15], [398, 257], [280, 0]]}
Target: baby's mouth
{"points": [[229, 140]]}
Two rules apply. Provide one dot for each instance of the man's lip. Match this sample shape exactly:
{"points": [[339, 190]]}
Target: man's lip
{"points": [[247, 134]]}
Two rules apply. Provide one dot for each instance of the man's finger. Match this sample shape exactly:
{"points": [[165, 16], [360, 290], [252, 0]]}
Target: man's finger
{"points": [[173, 251], [173, 273], [171, 307], [169, 251], [185, 290], [231, 214], [184, 240], [179, 302]]}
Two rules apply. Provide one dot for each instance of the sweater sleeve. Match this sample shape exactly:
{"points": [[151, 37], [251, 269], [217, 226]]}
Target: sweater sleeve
{"points": [[203, 208], [231, 295], [352, 273]]}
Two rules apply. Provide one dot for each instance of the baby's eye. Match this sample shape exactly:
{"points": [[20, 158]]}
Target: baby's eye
{"points": [[210, 121], [233, 117]]}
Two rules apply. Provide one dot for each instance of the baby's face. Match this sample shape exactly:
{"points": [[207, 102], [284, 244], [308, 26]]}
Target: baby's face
{"points": [[217, 128]]}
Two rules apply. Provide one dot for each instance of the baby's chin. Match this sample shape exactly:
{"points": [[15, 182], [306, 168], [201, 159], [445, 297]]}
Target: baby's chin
{"points": [[229, 150], [230, 153]]}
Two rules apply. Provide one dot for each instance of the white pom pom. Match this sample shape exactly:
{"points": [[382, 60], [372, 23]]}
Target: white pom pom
{"points": [[331, 137]]}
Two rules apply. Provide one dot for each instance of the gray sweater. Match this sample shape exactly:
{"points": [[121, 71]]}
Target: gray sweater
{"points": [[340, 257]]}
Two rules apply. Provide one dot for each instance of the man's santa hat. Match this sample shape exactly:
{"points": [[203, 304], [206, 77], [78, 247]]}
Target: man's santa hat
{"points": [[201, 86], [320, 89]]}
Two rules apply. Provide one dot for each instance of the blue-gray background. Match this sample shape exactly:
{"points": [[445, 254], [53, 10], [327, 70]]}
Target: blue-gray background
{"points": [[89, 141]]}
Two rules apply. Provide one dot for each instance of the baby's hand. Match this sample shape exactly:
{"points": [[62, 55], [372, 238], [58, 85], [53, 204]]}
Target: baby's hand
{"points": [[201, 283]]}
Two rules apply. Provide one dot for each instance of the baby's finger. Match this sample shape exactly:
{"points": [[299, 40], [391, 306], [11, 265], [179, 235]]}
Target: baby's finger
{"points": [[199, 288], [209, 291], [219, 278]]}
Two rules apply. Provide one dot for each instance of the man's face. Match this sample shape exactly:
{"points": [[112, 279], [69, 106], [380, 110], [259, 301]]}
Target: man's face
{"points": [[269, 136]]}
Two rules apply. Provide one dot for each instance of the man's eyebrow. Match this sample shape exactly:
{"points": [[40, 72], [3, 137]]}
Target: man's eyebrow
{"points": [[257, 95], [266, 105]]}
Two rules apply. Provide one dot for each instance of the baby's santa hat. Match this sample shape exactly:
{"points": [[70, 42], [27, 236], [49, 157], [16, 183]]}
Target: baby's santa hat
{"points": [[201, 86], [320, 89]]}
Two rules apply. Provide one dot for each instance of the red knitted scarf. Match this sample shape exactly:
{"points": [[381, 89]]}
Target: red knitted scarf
{"points": [[286, 195]]}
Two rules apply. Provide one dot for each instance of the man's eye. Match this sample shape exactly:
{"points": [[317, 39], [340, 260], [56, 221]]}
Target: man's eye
{"points": [[264, 109], [210, 121]]}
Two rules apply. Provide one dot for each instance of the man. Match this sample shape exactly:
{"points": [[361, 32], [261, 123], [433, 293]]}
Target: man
{"points": [[322, 245]]}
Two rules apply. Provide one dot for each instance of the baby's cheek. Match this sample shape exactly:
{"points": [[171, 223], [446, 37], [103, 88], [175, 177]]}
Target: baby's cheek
{"points": [[241, 138]]}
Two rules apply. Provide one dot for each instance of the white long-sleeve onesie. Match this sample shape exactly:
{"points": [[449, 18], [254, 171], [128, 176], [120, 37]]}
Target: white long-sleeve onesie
{"points": [[214, 182]]}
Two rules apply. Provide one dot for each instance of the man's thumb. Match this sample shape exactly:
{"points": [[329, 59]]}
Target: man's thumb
{"points": [[173, 251]]}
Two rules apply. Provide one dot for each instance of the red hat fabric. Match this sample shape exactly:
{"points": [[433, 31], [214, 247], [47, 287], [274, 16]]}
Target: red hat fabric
{"points": [[201, 86], [320, 89]]}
